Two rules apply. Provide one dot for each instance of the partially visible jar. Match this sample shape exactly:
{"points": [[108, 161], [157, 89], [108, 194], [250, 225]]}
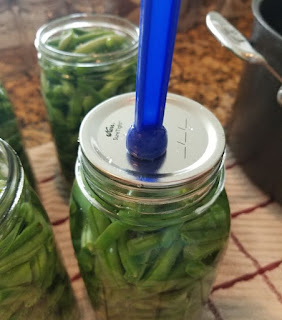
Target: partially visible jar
{"points": [[148, 236], [33, 281], [84, 60], [9, 131]]}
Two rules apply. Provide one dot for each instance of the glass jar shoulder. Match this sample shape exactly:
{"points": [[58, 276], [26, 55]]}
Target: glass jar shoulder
{"points": [[207, 219], [154, 210]]}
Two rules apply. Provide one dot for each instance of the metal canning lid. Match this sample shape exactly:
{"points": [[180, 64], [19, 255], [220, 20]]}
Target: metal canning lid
{"points": [[196, 142]]}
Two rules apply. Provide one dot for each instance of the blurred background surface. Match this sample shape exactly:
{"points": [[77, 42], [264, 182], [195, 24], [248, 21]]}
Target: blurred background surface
{"points": [[202, 70]]}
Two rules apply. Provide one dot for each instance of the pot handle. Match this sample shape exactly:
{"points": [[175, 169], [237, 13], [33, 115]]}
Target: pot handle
{"points": [[232, 39]]}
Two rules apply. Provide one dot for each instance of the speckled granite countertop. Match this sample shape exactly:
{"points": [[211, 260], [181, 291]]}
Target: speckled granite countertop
{"points": [[202, 70]]}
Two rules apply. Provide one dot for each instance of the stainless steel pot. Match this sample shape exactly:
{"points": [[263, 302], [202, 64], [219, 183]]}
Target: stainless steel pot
{"points": [[255, 131]]}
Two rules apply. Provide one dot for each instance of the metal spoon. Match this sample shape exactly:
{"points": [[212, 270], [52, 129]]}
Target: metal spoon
{"points": [[232, 39]]}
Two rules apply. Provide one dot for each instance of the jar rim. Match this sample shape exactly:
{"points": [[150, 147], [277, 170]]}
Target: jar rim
{"points": [[14, 182], [86, 20]]}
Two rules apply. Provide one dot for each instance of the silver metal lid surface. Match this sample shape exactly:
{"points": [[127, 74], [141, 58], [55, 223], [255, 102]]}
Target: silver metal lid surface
{"points": [[196, 142]]}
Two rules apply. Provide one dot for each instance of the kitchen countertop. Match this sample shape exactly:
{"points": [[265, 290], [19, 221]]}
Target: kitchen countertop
{"points": [[202, 70]]}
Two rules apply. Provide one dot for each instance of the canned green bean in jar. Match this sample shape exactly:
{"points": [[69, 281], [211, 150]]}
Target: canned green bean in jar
{"points": [[148, 235], [10, 132], [33, 281], [85, 59]]}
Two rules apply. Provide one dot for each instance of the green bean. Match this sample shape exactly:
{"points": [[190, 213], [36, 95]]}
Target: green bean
{"points": [[53, 42], [82, 31], [51, 270], [110, 235], [7, 242], [141, 263], [105, 273], [27, 234], [28, 212], [56, 295], [101, 44], [210, 221], [134, 266], [144, 243], [87, 238], [201, 251], [10, 295], [101, 220], [110, 88], [19, 275], [169, 236], [84, 205], [90, 36], [24, 253], [66, 41], [38, 265], [123, 252], [114, 263], [164, 263]]}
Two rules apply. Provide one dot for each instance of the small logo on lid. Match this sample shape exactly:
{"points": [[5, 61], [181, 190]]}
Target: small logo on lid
{"points": [[109, 130]]}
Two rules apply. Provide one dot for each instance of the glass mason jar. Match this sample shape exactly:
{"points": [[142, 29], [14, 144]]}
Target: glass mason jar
{"points": [[148, 236], [9, 131], [33, 282], [84, 60]]}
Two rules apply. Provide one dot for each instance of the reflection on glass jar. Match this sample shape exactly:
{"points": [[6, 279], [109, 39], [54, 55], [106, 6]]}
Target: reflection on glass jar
{"points": [[84, 60], [148, 242], [33, 282]]}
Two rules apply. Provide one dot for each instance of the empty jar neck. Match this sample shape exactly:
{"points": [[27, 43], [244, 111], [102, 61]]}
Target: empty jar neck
{"points": [[202, 190], [14, 181]]}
